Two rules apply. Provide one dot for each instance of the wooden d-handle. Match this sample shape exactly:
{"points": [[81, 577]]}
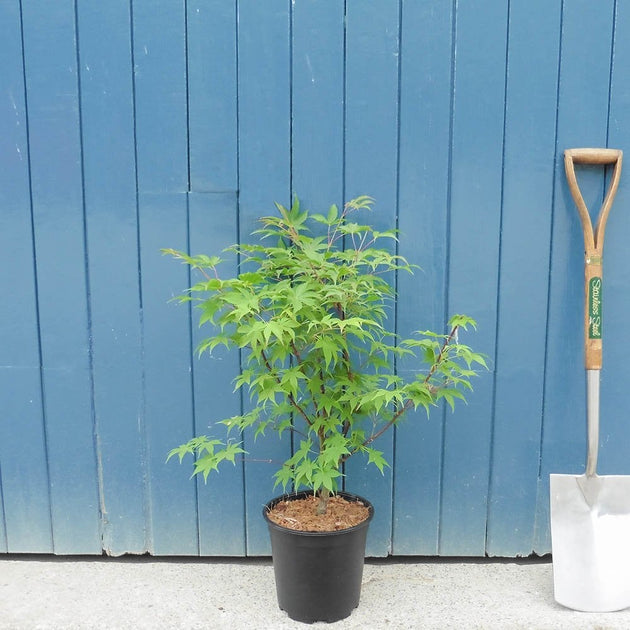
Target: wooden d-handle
{"points": [[593, 244], [594, 156]]}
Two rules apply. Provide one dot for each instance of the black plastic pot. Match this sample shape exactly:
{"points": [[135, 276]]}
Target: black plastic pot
{"points": [[318, 574]]}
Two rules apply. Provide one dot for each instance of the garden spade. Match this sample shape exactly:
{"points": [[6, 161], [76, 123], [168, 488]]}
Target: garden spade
{"points": [[590, 514]]}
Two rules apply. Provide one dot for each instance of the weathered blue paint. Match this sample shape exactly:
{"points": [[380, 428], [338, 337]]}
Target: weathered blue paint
{"points": [[55, 153], [161, 128], [133, 126], [475, 222], [212, 227], [24, 487], [264, 100], [161, 100], [614, 453], [372, 58], [317, 104], [212, 105], [423, 181], [530, 141], [108, 144], [168, 403]]}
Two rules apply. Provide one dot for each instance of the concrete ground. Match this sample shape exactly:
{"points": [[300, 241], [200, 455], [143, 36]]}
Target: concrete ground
{"points": [[92, 593]]}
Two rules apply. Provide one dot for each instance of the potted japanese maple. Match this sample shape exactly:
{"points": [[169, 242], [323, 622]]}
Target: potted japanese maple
{"points": [[310, 310]]}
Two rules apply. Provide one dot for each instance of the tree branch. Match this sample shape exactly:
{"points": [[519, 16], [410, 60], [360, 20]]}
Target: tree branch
{"points": [[447, 342], [292, 400], [409, 404]]}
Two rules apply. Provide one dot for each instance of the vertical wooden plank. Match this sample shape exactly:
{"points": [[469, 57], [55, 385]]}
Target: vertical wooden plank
{"points": [[615, 431], [57, 196], [425, 102], [211, 39], [264, 177], [531, 101], [159, 52], [478, 110], [159, 46], [168, 408], [110, 206], [582, 121], [318, 103], [213, 221], [372, 54], [213, 227], [26, 524]]}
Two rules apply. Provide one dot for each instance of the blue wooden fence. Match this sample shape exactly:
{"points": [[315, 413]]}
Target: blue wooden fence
{"points": [[131, 125]]}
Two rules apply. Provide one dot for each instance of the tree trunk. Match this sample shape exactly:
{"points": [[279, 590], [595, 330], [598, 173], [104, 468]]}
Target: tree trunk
{"points": [[322, 506]]}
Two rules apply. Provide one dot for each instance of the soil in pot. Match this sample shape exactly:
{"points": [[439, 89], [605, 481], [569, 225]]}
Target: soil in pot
{"points": [[300, 514]]}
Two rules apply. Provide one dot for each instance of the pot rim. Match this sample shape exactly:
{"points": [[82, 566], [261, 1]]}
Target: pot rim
{"points": [[290, 496]]}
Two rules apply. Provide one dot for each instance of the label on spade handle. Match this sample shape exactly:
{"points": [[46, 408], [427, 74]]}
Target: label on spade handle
{"points": [[595, 308]]}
